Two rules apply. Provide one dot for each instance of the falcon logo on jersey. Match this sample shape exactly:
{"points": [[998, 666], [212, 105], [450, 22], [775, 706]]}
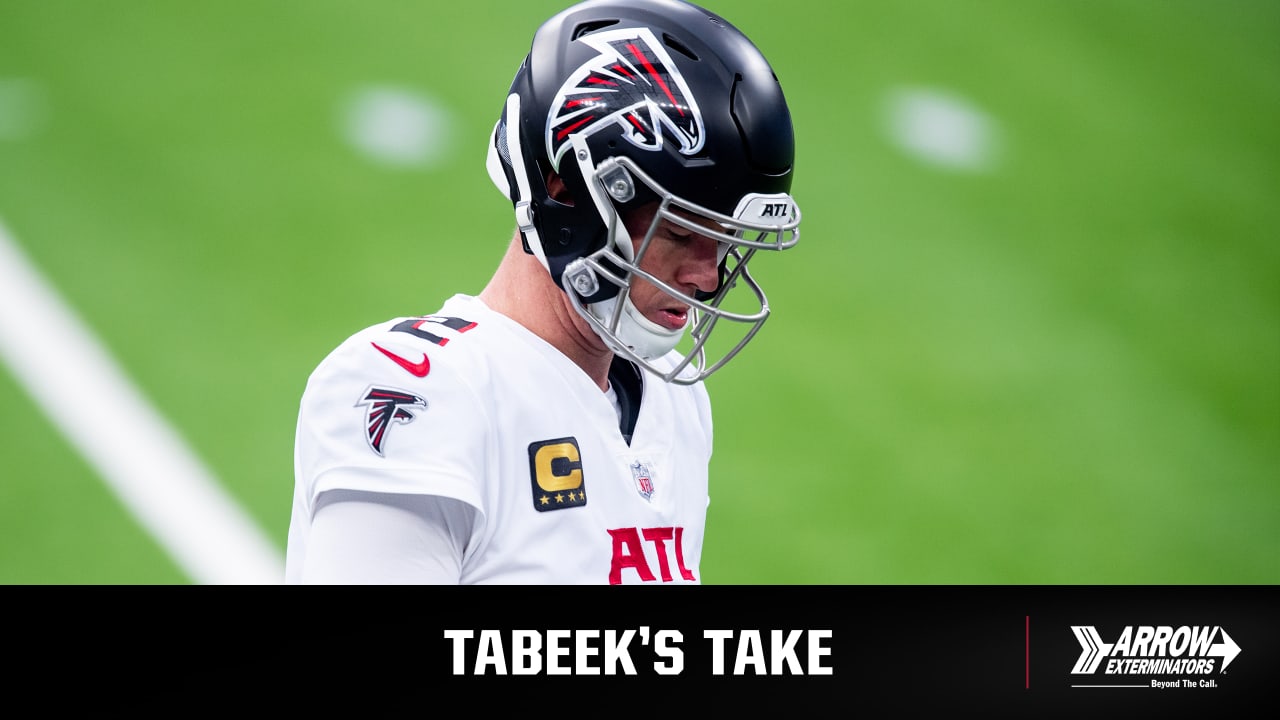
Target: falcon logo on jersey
{"points": [[387, 406], [555, 467], [644, 479], [631, 84]]}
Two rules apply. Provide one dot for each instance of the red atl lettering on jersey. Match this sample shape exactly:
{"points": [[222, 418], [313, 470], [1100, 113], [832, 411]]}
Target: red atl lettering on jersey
{"points": [[628, 552]]}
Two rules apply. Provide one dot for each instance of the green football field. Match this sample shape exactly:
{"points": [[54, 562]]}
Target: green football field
{"points": [[1030, 335]]}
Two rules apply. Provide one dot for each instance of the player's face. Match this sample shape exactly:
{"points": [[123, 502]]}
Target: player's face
{"points": [[683, 259]]}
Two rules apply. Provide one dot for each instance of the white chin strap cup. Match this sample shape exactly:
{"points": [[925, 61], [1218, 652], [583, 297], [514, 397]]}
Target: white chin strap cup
{"points": [[643, 337]]}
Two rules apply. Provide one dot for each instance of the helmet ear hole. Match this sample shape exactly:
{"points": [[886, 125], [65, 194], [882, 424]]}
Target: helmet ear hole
{"points": [[558, 190]]}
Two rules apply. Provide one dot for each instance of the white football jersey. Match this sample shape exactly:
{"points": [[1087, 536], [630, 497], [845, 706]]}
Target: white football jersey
{"points": [[470, 405]]}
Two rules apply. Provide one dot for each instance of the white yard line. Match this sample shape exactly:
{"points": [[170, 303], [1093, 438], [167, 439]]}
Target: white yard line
{"points": [[86, 395]]}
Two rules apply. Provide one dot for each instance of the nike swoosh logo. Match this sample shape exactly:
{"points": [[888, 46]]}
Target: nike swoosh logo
{"points": [[419, 369]]}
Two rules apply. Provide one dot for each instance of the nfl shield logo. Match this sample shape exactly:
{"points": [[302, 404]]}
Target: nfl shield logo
{"points": [[644, 480]]}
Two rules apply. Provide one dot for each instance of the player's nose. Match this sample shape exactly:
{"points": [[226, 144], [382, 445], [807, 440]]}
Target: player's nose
{"points": [[699, 266]]}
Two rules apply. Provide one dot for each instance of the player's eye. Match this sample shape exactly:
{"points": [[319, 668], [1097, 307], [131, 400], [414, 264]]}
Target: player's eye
{"points": [[676, 232]]}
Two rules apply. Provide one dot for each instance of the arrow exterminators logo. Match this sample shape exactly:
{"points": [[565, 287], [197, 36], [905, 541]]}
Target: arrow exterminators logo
{"points": [[1155, 650]]}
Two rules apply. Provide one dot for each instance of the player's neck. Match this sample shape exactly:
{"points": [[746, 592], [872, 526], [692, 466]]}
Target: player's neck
{"points": [[521, 289]]}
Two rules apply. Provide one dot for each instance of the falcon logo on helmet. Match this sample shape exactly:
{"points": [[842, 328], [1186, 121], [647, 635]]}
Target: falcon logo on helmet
{"points": [[632, 83], [386, 406]]}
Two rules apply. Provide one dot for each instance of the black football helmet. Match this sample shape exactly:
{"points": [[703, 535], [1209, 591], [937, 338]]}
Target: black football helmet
{"points": [[633, 102]]}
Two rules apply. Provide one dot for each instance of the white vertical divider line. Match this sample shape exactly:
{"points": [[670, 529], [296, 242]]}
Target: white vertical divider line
{"points": [[87, 396]]}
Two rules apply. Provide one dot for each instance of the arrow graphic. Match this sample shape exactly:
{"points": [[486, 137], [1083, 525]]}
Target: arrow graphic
{"points": [[1227, 649], [1093, 649]]}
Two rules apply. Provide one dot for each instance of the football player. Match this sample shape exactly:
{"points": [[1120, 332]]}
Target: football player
{"points": [[556, 428]]}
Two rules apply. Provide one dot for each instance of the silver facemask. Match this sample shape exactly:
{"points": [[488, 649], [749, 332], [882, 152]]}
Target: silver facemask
{"points": [[760, 222]]}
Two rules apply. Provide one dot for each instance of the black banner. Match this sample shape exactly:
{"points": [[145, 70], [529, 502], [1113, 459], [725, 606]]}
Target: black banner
{"points": [[835, 649]]}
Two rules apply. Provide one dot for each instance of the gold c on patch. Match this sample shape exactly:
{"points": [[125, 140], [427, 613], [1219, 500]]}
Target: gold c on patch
{"points": [[555, 469]]}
